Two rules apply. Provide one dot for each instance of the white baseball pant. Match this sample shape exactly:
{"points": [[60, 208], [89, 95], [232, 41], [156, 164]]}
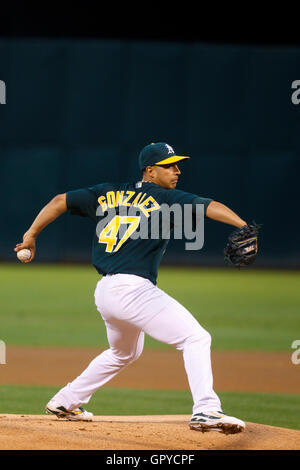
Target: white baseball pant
{"points": [[131, 306]]}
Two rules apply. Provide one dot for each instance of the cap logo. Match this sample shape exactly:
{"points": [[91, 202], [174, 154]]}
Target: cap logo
{"points": [[170, 150]]}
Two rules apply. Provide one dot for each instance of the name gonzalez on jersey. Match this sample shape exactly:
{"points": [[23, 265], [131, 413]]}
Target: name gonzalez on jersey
{"points": [[114, 199]]}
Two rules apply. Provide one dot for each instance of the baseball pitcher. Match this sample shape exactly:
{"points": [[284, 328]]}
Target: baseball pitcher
{"points": [[127, 297]]}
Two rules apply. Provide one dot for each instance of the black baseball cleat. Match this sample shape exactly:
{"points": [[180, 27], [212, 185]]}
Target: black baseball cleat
{"points": [[216, 421], [79, 414]]}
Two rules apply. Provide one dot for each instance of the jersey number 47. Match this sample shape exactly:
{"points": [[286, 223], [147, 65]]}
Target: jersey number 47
{"points": [[109, 234]]}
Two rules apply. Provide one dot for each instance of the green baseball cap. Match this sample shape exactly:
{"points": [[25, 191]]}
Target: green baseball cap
{"points": [[158, 153]]}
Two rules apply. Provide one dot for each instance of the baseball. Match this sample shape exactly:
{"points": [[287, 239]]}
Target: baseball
{"points": [[24, 255]]}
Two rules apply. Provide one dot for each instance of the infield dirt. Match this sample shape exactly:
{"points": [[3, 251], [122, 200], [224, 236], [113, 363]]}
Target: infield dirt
{"points": [[156, 369], [237, 371], [34, 432]]}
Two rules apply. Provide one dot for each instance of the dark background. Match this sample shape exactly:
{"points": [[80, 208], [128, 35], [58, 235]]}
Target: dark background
{"points": [[87, 88]]}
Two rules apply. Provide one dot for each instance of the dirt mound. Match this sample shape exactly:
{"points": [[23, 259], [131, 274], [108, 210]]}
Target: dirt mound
{"points": [[34, 432]]}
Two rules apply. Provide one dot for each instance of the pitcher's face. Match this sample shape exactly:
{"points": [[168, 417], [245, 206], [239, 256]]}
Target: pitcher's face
{"points": [[165, 176]]}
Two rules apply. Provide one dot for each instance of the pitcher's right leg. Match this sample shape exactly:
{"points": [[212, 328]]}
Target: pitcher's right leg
{"points": [[126, 345]]}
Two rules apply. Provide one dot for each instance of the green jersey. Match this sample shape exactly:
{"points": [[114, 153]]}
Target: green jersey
{"points": [[118, 251]]}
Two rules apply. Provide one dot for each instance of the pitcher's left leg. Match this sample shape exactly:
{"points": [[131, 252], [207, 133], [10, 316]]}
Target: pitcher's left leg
{"points": [[176, 326]]}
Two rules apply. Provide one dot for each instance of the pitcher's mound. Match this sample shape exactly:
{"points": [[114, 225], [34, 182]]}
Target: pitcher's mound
{"points": [[170, 432]]}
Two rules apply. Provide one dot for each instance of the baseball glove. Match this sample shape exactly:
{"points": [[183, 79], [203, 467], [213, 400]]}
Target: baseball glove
{"points": [[242, 246]]}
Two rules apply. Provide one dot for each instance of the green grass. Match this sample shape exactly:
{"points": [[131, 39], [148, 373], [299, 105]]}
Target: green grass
{"points": [[247, 309], [263, 408]]}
